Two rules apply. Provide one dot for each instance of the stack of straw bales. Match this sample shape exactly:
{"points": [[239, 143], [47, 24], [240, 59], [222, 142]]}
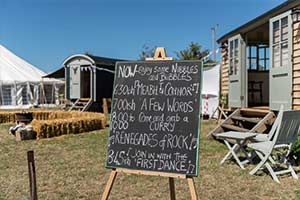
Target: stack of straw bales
{"points": [[62, 123], [55, 123], [7, 117]]}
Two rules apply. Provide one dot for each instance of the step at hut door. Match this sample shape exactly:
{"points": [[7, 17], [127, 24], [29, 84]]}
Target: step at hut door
{"points": [[237, 73], [75, 81], [280, 61]]}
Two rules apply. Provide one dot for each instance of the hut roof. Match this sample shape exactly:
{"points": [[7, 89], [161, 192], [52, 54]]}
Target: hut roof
{"points": [[260, 20], [104, 62]]}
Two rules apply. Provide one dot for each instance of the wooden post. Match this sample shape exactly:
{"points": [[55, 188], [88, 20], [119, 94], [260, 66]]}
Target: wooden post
{"points": [[172, 188], [160, 55], [32, 177], [104, 106]]}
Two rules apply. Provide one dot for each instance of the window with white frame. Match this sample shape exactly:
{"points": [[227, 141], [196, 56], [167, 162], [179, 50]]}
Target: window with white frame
{"points": [[296, 15], [280, 42], [234, 56]]}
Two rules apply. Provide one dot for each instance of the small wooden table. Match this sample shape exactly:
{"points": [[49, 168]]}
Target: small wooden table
{"points": [[241, 139]]}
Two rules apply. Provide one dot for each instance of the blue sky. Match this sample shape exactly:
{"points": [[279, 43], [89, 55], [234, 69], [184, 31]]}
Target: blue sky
{"points": [[45, 32]]}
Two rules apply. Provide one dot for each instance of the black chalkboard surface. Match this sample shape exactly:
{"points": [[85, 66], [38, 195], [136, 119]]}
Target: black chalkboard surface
{"points": [[155, 120]]}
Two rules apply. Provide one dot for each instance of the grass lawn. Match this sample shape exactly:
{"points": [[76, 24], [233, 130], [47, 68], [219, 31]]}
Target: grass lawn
{"points": [[72, 167]]}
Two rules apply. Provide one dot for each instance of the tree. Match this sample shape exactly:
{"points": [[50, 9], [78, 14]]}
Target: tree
{"points": [[147, 52], [192, 52]]}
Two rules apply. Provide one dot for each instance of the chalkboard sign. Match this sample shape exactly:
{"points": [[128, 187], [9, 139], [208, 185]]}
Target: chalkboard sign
{"points": [[155, 120]]}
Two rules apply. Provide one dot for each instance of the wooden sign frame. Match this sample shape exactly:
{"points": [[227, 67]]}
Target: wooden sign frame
{"points": [[160, 55]]}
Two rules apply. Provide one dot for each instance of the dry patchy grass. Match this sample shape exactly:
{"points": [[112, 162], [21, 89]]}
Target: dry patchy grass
{"points": [[72, 167]]}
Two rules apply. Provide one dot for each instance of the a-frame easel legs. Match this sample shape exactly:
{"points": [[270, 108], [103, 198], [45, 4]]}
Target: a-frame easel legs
{"points": [[110, 182], [192, 188], [190, 181]]}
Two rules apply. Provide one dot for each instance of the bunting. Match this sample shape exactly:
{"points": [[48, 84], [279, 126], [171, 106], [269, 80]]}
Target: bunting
{"points": [[94, 68]]}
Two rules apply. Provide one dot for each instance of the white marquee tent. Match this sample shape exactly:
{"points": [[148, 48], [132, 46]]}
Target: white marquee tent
{"points": [[210, 90], [22, 85]]}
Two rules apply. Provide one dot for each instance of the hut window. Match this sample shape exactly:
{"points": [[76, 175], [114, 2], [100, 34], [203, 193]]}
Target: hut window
{"points": [[252, 58], [296, 15], [276, 32], [258, 57], [231, 58], [284, 29], [284, 54], [276, 56], [280, 42], [234, 57]]}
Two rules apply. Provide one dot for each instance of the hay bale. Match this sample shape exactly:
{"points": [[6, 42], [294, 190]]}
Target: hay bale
{"points": [[48, 124]]}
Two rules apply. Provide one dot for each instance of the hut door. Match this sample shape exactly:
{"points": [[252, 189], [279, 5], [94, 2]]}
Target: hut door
{"points": [[237, 73], [75, 82], [280, 60]]}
